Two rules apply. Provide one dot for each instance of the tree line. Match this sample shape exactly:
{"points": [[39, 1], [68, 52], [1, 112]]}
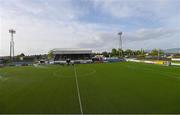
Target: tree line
{"points": [[131, 53]]}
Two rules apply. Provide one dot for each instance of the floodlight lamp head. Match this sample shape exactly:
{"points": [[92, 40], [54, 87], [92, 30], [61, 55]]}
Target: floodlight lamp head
{"points": [[120, 33], [12, 31]]}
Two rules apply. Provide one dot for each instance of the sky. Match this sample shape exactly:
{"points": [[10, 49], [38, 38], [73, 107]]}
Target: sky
{"points": [[42, 25]]}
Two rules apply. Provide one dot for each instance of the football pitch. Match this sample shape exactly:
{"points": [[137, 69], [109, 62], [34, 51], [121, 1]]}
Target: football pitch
{"points": [[109, 88]]}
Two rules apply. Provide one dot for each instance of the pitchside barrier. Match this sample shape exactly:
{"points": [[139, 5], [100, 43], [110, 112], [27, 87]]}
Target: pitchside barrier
{"points": [[113, 59], [175, 59], [167, 63], [176, 64], [159, 62]]}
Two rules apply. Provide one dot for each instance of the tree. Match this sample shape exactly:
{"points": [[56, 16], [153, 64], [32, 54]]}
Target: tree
{"points": [[156, 52], [121, 52], [114, 52], [138, 52], [128, 52], [50, 55], [105, 54], [22, 55]]}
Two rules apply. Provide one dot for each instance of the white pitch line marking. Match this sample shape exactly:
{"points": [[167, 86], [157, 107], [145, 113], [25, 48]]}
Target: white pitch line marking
{"points": [[79, 96]]}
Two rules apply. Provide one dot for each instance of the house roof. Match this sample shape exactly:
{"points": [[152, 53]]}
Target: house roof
{"points": [[71, 51]]}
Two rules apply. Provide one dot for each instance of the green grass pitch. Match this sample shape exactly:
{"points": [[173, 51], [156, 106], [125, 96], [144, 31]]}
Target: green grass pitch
{"points": [[104, 88]]}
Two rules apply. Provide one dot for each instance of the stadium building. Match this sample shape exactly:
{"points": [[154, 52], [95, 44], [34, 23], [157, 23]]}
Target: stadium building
{"points": [[75, 55]]}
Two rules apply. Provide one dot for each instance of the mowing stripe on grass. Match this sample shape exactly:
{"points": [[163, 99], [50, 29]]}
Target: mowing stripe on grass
{"points": [[79, 96]]}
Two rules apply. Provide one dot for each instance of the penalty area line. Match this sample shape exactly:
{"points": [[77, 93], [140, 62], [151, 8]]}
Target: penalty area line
{"points": [[78, 91]]}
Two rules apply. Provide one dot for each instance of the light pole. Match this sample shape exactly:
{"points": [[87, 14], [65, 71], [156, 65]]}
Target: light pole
{"points": [[11, 31], [120, 44]]}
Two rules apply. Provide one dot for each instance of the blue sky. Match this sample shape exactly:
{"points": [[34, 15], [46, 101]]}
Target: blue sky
{"points": [[42, 25]]}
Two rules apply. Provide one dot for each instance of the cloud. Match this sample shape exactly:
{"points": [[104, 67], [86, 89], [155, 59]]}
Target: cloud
{"points": [[137, 8], [43, 25], [101, 41], [40, 25], [154, 34], [138, 37], [36, 35], [163, 14]]}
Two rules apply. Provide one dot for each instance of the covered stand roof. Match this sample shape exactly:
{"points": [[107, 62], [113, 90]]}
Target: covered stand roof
{"points": [[71, 51]]}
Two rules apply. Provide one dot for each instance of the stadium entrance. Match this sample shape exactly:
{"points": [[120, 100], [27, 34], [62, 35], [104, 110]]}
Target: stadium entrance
{"points": [[75, 55]]}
